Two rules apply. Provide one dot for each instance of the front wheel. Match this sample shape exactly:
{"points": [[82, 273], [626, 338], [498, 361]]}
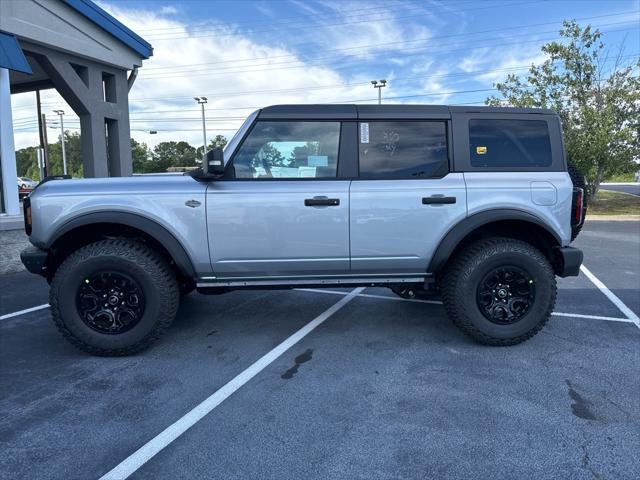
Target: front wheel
{"points": [[114, 297], [500, 291]]}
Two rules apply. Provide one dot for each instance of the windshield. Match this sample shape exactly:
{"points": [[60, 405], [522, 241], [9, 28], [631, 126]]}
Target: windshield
{"points": [[233, 143]]}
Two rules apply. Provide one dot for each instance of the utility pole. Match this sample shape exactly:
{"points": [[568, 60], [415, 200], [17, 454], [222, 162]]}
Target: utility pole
{"points": [[42, 130], [60, 113], [47, 162], [201, 101], [379, 84]]}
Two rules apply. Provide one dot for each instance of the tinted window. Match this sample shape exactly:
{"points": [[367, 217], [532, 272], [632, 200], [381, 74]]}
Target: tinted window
{"points": [[509, 143], [289, 150], [403, 149]]}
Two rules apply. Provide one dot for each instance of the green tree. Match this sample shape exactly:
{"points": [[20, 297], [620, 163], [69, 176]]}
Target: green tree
{"points": [[270, 156], [172, 154], [218, 141], [141, 156], [27, 158], [598, 105]]}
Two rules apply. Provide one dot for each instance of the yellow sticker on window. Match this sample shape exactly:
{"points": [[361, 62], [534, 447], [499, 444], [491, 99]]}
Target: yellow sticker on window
{"points": [[481, 150]]}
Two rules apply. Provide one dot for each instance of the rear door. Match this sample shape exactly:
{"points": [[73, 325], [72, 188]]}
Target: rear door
{"points": [[283, 213], [405, 199]]}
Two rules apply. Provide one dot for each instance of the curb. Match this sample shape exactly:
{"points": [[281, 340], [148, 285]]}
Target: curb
{"points": [[612, 218]]}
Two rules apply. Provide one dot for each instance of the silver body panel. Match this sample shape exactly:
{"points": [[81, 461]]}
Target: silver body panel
{"points": [[263, 227], [254, 230], [546, 195], [159, 198], [391, 230]]}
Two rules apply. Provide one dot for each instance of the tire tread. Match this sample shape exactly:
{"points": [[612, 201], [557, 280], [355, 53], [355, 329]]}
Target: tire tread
{"points": [[450, 296], [150, 261]]}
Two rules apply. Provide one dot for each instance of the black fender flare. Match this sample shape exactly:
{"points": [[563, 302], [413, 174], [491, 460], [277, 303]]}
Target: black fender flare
{"points": [[139, 222], [463, 228]]}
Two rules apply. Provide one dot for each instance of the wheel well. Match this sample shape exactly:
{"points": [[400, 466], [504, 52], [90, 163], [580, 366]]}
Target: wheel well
{"points": [[83, 235], [523, 230]]}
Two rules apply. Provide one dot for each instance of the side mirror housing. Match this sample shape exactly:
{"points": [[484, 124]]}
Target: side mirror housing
{"points": [[214, 162]]}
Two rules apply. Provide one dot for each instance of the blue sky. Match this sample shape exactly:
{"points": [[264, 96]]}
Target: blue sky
{"points": [[246, 54]]}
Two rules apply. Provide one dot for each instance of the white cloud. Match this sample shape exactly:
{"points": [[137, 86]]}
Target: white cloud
{"points": [[165, 84], [379, 30], [510, 61], [168, 10]]}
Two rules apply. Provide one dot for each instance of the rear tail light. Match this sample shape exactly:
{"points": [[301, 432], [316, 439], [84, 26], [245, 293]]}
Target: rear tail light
{"points": [[26, 205], [577, 206]]}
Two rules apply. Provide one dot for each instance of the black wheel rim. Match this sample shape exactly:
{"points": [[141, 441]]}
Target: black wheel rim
{"points": [[505, 295], [110, 302]]}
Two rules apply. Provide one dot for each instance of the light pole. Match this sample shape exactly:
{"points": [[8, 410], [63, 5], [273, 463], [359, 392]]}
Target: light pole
{"points": [[201, 101], [60, 113], [379, 84]]}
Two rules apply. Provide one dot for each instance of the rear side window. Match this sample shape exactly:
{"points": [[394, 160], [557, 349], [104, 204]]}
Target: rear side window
{"points": [[509, 143], [403, 149], [289, 150]]}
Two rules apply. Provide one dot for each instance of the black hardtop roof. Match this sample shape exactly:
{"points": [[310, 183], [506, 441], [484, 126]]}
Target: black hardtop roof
{"points": [[389, 111]]}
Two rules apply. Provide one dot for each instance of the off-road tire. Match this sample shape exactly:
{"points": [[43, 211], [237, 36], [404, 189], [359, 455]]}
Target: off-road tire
{"points": [[464, 273], [579, 182], [149, 269]]}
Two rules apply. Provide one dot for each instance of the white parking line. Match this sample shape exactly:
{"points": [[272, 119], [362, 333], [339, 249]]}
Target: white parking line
{"points": [[436, 302], [592, 317], [138, 458], [611, 296], [22, 312]]}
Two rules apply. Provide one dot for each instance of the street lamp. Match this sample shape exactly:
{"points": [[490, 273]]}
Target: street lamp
{"points": [[60, 113], [379, 84], [201, 101]]}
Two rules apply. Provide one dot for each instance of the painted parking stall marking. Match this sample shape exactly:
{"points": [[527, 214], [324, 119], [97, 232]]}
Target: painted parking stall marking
{"points": [[611, 296], [22, 312], [630, 316], [150, 449]]}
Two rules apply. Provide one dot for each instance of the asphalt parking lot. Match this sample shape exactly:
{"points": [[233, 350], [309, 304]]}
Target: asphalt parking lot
{"points": [[380, 388], [630, 188]]}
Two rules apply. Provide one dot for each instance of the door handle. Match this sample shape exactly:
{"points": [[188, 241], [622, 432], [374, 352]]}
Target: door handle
{"points": [[321, 202], [438, 199]]}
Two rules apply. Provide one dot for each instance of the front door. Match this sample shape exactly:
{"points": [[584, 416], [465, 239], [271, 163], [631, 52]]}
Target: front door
{"points": [[283, 212], [405, 199]]}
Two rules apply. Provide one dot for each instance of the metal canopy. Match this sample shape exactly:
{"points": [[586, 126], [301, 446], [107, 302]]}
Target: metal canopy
{"points": [[11, 55], [108, 23]]}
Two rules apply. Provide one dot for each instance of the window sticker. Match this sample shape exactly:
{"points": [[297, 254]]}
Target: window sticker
{"points": [[318, 161], [306, 172], [481, 150], [284, 172], [364, 133]]}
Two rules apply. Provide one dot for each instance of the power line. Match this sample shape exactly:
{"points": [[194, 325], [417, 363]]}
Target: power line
{"points": [[367, 46], [218, 35], [430, 94], [274, 26], [291, 90], [210, 24], [343, 64]]}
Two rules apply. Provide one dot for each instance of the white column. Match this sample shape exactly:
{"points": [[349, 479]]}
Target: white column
{"points": [[7, 149]]}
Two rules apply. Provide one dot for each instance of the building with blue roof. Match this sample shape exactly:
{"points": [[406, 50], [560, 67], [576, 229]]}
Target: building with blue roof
{"points": [[90, 58]]}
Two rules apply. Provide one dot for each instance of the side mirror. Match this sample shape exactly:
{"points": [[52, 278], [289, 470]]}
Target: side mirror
{"points": [[214, 162]]}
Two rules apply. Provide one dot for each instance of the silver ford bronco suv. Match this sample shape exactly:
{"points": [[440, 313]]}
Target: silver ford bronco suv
{"points": [[473, 204]]}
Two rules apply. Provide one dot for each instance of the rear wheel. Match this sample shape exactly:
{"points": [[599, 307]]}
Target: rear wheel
{"points": [[114, 297], [500, 291]]}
